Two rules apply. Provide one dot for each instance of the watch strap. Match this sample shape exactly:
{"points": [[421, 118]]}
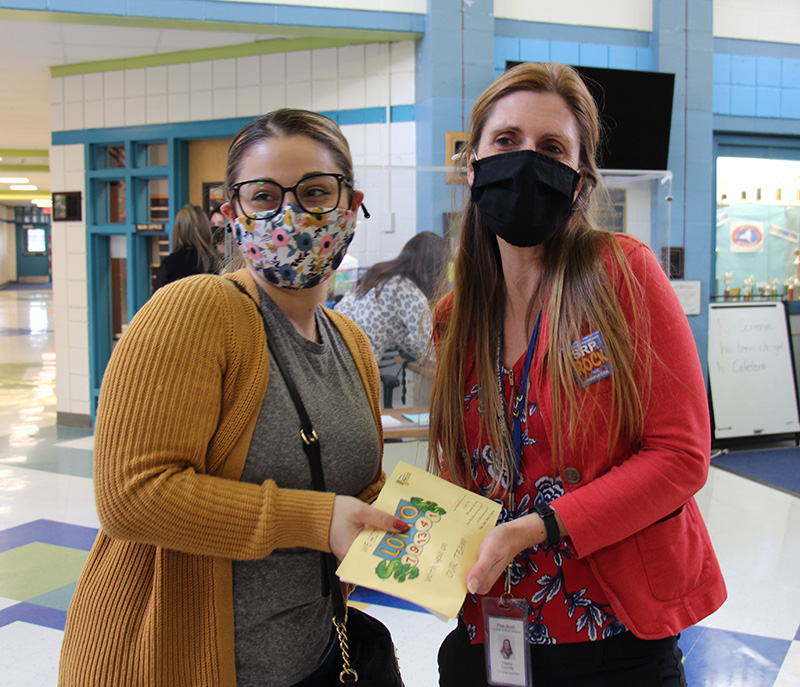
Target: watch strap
{"points": [[548, 516]]}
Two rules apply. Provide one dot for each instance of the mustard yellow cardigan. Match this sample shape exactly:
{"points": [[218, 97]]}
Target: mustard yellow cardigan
{"points": [[178, 404]]}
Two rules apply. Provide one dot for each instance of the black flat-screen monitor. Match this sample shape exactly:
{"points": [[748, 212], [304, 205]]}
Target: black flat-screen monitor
{"points": [[636, 111]]}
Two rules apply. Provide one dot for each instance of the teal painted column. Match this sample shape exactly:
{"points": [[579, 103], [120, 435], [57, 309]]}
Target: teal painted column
{"points": [[683, 43], [454, 64]]}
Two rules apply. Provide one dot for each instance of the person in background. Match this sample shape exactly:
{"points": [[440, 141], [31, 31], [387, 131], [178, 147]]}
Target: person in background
{"points": [[218, 226], [193, 250], [569, 389], [206, 569], [391, 301]]}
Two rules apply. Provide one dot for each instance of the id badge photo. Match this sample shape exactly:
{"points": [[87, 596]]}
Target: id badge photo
{"points": [[505, 622]]}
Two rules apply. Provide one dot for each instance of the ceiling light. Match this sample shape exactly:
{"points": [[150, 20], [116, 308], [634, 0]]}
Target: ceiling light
{"points": [[43, 202], [23, 187], [14, 180]]}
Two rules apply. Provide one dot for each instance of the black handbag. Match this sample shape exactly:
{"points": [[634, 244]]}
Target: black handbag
{"points": [[369, 657]]}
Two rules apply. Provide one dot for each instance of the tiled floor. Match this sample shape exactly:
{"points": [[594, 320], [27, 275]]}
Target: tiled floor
{"points": [[48, 521]]}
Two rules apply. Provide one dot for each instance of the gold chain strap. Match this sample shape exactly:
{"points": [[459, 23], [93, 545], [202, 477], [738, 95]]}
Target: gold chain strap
{"points": [[347, 669]]}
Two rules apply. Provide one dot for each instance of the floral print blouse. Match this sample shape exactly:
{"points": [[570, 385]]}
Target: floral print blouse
{"points": [[397, 318], [565, 601]]}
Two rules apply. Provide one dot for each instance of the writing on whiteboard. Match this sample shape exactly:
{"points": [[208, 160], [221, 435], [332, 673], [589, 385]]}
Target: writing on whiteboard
{"points": [[733, 353]]}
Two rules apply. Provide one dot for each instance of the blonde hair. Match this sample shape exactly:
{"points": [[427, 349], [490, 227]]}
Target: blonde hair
{"points": [[193, 230], [575, 292]]}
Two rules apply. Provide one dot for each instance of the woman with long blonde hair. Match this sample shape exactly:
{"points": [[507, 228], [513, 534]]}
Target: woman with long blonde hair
{"points": [[568, 388], [193, 249]]}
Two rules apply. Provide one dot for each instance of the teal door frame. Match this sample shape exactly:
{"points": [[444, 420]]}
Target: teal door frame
{"points": [[99, 231]]}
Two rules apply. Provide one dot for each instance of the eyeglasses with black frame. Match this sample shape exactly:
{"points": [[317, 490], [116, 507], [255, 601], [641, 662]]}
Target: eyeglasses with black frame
{"points": [[315, 193]]}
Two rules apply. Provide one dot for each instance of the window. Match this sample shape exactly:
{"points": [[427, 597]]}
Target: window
{"points": [[109, 157], [35, 240], [110, 202], [152, 155]]}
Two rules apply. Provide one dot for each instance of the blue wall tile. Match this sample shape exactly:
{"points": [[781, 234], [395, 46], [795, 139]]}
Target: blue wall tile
{"points": [[534, 50], [743, 101], [621, 57], [721, 99], [743, 70], [568, 53], [790, 73], [593, 55], [790, 103], [722, 68], [768, 71], [505, 49], [768, 102], [644, 59]]}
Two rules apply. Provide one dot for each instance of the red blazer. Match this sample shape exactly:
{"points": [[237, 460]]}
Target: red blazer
{"points": [[634, 516]]}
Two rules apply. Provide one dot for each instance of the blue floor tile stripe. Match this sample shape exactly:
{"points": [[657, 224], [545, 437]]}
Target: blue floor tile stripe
{"points": [[34, 614], [370, 596], [48, 532]]}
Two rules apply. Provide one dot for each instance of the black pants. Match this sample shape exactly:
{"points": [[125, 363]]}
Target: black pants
{"points": [[621, 661]]}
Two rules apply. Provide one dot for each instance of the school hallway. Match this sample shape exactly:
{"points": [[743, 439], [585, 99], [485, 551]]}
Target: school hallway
{"points": [[48, 523]]}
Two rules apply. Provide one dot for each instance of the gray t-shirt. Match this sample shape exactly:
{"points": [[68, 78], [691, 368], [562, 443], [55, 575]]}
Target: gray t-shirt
{"points": [[282, 622]]}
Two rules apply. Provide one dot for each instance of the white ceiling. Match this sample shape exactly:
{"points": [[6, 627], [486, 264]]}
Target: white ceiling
{"points": [[29, 48]]}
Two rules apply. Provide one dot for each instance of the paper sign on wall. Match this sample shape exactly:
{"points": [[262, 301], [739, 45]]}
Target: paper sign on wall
{"points": [[747, 237]]}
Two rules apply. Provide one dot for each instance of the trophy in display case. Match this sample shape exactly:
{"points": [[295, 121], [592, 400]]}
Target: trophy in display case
{"points": [[747, 287]]}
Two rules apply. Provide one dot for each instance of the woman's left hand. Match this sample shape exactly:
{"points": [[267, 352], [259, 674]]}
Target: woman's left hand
{"points": [[500, 546]]}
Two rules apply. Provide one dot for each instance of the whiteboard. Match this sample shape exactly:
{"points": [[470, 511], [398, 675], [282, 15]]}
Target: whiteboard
{"points": [[750, 370]]}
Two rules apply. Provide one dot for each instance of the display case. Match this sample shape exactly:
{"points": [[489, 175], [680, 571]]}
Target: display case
{"points": [[757, 229]]}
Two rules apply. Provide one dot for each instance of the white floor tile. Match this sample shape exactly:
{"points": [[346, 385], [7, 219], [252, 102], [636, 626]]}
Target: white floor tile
{"points": [[30, 655], [755, 530], [5, 603], [790, 670], [417, 637], [86, 443], [27, 495]]}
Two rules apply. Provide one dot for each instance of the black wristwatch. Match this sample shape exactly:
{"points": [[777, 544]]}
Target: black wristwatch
{"points": [[548, 516]]}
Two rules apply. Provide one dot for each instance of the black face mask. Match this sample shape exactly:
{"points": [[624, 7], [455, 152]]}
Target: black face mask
{"points": [[523, 196]]}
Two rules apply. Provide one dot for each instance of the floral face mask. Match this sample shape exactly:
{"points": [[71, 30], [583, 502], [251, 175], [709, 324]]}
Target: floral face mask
{"points": [[295, 249]]}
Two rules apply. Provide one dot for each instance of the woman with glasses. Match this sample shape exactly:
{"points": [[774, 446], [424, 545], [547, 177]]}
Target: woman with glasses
{"points": [[206, 570], [569, 389]]}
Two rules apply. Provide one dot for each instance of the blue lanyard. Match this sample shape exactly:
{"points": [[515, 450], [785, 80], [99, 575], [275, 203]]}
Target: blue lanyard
{"points": [[520, 400]]}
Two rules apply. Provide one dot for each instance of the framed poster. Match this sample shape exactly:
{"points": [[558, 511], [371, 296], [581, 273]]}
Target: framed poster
{"points": [[454, 142], [67, 207]]}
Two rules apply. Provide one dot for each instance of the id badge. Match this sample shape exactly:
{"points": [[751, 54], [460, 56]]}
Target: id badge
{"points": [[504, 626]]}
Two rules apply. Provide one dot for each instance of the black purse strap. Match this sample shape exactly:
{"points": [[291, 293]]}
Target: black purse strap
{"points": [[311, 446]]}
